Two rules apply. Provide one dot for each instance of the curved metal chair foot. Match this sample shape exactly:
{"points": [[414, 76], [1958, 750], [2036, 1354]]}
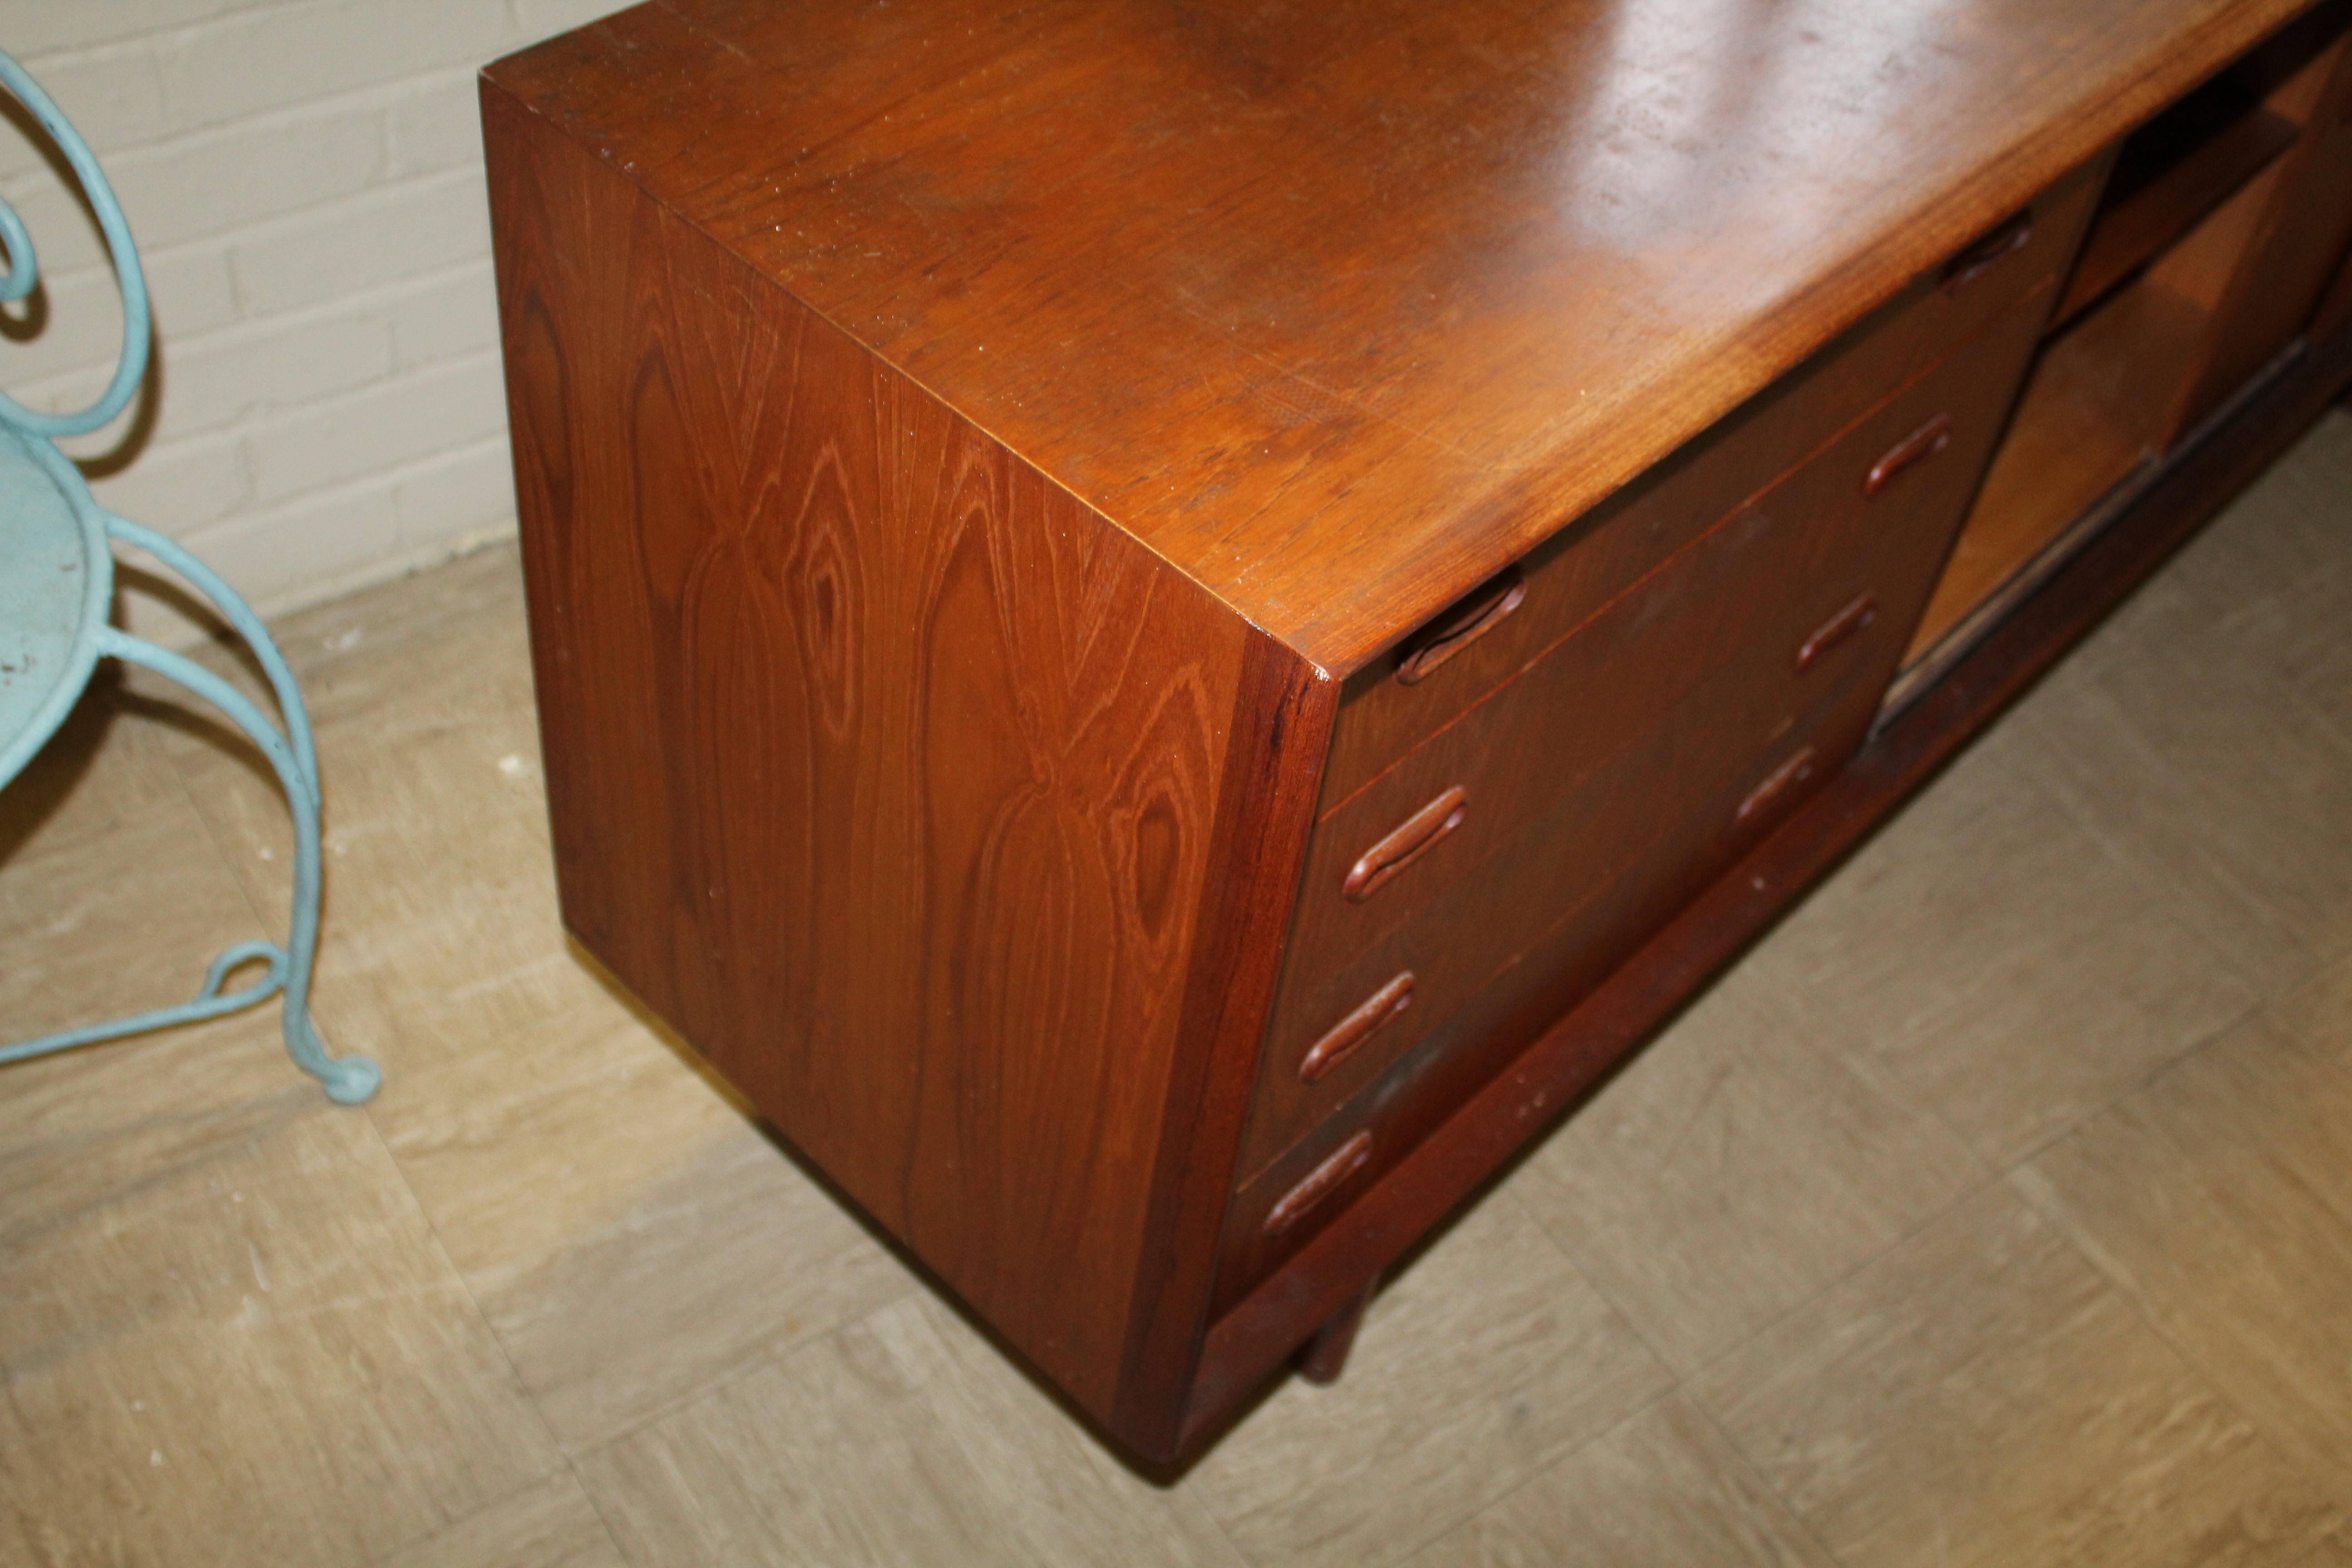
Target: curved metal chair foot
{"points": [[349, 1080]]}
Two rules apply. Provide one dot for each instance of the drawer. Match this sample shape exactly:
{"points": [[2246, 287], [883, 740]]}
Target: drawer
{"points": [[1655, 801], [1759, 583], [1496, 630], [1523, 994]]}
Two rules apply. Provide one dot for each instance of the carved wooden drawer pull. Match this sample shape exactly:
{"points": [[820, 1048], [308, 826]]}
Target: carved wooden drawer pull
{"points": [[1785, 777], [1419, 834], [1356, 1028], [1917, 447], [1837, 629], [1320, 1184], [1978, 258], [1465, 624]]}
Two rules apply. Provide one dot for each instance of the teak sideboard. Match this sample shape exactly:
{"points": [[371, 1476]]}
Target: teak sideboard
{"points": [[1164, 626]]}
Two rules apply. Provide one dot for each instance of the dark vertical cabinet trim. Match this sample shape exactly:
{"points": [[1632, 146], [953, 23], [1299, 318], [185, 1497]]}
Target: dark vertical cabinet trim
{"points": [[1274, 770]]}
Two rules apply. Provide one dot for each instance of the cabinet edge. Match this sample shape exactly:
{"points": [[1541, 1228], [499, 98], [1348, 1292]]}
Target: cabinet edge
{"points": [[1282, 719]]}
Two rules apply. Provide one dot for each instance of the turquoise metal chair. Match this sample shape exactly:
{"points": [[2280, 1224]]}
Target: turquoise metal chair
{"points": [[56, 587]]}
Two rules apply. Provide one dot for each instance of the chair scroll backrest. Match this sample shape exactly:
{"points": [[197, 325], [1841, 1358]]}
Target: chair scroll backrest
{"points": [[24, 273]]}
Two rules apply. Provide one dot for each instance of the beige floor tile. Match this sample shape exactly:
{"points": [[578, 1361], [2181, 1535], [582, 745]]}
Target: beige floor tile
{"points": [[1986, 959], [2231, 587], [549, 1524], [631, 1237], [2280, 547], [125, 922], [420, 697], [103, 769], [2203, 735], [2260, 852], [2319, 1012], [448, 773], [2220, 1199], [1485, 1362], [1664, 1488], [230, 1337], [1734, 1170], [901, 1439], [715, 1256], [2270, 588], [456, 634], [1980, 1395], [438, 871], [122, 924], [2308, 652], [2336, 1551], [425, 915], [1068, 1499]]}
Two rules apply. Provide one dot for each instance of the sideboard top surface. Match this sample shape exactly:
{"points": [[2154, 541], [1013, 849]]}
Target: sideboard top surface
{"points": [[1338, 308]]}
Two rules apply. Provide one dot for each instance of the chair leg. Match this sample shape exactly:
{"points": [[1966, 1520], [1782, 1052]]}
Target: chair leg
{"points": [[348, 1079], [1324, 1357]]}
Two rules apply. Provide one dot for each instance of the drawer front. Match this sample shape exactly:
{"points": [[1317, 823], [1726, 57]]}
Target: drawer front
{"points": [[1321, 1173], [1760, 585], [1596, 759], [1405, 697], [1655, 803]]}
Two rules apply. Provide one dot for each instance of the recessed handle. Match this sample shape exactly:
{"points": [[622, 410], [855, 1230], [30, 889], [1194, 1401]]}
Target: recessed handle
{"points": [[1414, 838], [1854, 618], [1784, 778], [1908, 453], [1465, 624], [1356, 1028], [2015, 235], [1321, 1182]]}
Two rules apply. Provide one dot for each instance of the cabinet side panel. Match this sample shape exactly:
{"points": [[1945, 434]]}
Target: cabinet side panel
{"points": [[1274, 772], [880, 767]]}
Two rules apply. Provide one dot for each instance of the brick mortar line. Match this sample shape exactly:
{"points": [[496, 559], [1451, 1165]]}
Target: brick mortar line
{"points": [[371, 97], [138, 37], [353, 487], [256, 329]]}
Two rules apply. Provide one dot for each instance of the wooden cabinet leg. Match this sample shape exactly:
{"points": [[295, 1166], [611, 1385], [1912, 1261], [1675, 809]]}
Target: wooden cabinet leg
{"points": [[1324, 1357]]}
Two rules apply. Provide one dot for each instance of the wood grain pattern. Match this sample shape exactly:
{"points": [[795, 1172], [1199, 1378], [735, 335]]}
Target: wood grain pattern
{"points": [[2084, 424], [1340, 312], [877, 764], [2191, 160], [1281, 729], [2293, 244], [1709, 648], [974, 461], [2133, 373], [1578, 573], [2335, 312], [1589, 887]]}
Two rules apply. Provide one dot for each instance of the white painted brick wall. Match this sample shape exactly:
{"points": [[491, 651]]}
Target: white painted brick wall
{"points": [[304, 179]]}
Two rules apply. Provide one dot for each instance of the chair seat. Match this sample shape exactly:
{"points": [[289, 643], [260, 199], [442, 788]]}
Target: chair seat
{"points": [[51, 534]]}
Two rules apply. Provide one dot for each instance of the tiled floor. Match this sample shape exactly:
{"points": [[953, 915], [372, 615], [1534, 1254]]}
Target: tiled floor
{"points": [[1996, 1210]]}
